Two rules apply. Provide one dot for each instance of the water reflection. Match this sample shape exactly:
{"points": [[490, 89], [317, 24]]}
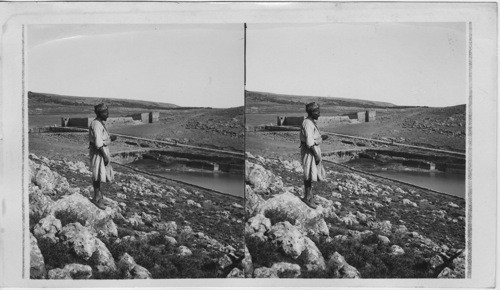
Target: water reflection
{"points": [[229, 183], [450, 183]]}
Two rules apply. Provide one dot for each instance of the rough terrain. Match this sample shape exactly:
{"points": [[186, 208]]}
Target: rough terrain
{"points": [[152, 227], [365, 226]]}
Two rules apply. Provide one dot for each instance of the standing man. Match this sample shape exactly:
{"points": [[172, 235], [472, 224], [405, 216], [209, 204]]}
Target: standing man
{"points": [[100, 165], [310, 138]]}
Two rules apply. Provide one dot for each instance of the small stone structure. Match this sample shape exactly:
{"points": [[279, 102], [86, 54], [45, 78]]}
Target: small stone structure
{"points": [[290, 121], [361, 117], [76, 122], [143, 117], [154, 117], [150, 117], [370, 116]]}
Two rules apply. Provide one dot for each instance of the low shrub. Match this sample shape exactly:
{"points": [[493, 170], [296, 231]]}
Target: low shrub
{"points": [[277, 215], [265, 253], [375, 261], [163, 262]]}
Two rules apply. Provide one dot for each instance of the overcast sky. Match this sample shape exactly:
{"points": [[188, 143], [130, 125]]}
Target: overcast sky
{"points": [[187, 65], [404, 64]]}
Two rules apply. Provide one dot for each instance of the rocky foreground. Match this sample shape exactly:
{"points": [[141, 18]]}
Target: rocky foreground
{"points": [[150, 228], [364, 227]]}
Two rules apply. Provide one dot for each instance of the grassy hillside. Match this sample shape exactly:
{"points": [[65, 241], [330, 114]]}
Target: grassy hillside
{"points": [[258, 97], [44, 102]]}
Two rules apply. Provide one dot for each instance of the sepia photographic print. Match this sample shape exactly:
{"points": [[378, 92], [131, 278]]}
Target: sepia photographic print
{"points": [[135, 151], [254, 144]]}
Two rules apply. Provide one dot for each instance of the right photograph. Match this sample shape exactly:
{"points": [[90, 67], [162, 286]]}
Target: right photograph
{"points": [[355, 141]]}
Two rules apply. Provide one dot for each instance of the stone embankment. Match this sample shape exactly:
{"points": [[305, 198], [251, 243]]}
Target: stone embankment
{"points": [[138, 236], [362, 228]]}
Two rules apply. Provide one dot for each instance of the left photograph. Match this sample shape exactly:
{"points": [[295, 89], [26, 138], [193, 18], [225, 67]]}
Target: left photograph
{"points": [[136, 151]]}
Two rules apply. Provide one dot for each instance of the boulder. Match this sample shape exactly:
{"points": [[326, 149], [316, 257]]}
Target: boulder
{"points": [[247, 264], [170, 241], [139, 272], [77, 208], [286, 270], [311, 256], [79, 240], [235, 273], [288, 238], [309, 221], [193, 203], [257, 226], [264, 272], [39, 204], [457, 269], [262, 180], [37, 262], [33, 168], [436, 261], [102, 260], [383, 240], [125, 264], [47, 228], [409, 202], [396, 250], [383, 227], [225, 262], [59, 274], [184, 251], [45, 179], [337, 267], [252, 201], [78, 271]]}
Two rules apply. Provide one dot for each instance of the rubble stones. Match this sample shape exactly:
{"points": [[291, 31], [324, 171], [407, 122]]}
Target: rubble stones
{"points": [[235, 273], [337, 267], [312, 257], [247, 264], [396, 250], [257, 226], [184, 251], [289, 238], [383, 240], [139, 272], [47, 226], [310, 220], [286, 270], [77, 208], [224, 262], [58, 274], [102, 259], [78, 271], [384, 227], [37, 263], [264, 272], [262, 180], [79, 239]]}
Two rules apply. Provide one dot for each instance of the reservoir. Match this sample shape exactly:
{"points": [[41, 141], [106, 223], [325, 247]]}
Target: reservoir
{"points": [[453, 184], [230, 183], [450, 183]]}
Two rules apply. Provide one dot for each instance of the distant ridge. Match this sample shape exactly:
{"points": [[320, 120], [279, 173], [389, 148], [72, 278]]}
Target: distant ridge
{"points": [[254, 96], [41, 99]]}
